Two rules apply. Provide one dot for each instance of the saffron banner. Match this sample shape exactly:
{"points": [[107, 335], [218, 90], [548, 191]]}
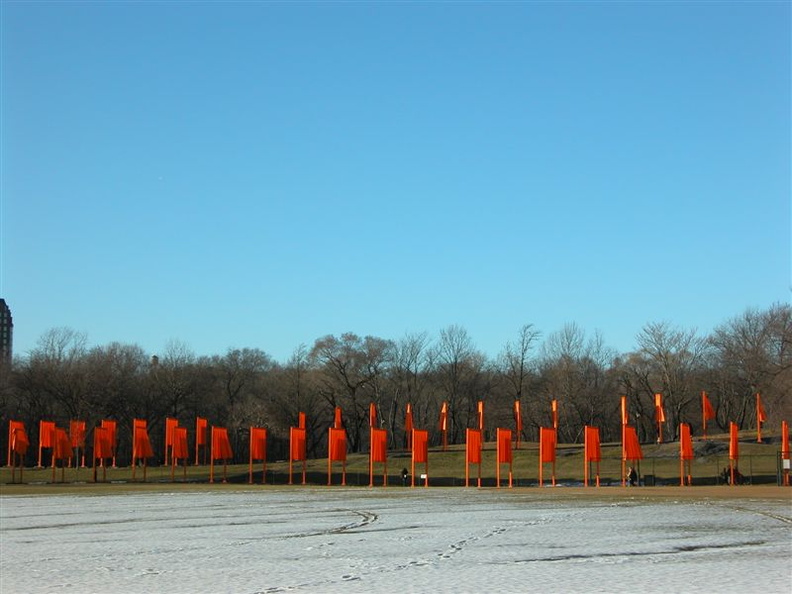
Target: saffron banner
{"points": [[420, 449], [338, 445]]}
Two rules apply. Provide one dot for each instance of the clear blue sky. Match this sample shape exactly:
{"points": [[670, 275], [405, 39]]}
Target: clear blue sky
{"points": [[262, 174]]}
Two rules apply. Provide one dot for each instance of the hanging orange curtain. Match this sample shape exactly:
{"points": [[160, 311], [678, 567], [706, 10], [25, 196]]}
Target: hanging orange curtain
{"points": [[659, 416], [297, 444], [473, 446], [46, 438], [379, 453], [420, 446], [142, 444], [170, 425], [591, 452], [547, 444], [734, 452], [379, 445], [337, 420], [336, 452], [472, 453], [112, 428], [632, 447], [685, 442], [518, 424], [372, 415], [221, 446], [102, 449], [761, 417], [592, 444], [734, 443], [707, 412], [201, 427], [480, 414], [77, 434], [19, 439], [258, 443], [180, 448], [504, 437], [338, 445], [61, 449], [504, 453], [102, 446], [444, 424], [554, 411], [420, 453], [297, 448], [46, 434], [301, 421], [13, 437], [258, 451], [408, 426], [685, 454], [547, 451]]}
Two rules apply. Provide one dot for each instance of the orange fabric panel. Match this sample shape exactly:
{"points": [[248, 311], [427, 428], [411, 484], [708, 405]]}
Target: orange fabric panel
{"points": [[592, 444], [170, 425], [62, 449], [632, 447], [685, 442], [338, 421], [180, 449], [554, 410], [444, 417], [18, 439], [297, 443], [504, 437], [707, 410], [301, 420], [337, 449], [480, 414], [379, 445], [659, 412], [761, 417], [408, 419], [221, 447], [201, 426], [102, 446], [111, 426], [547, 441], [734, 443], [518, 424], [372, 415], [140, 424], [77, 434], [784, 440], [141, 440], [46, 434], [473, 446], [420, 446], [258, 443]]}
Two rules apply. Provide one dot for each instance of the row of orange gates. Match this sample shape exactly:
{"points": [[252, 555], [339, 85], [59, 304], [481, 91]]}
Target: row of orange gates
{"points": [[65, 448]]}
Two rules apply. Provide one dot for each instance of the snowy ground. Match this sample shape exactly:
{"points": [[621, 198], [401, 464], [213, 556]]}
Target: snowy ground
{"points": [[389, 540]]}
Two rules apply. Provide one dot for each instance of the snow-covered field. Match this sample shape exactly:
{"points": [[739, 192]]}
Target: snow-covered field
{"points": [[390, 540]]}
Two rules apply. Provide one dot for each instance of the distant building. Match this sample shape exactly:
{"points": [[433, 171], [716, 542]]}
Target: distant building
{"points": [[6, 332]]}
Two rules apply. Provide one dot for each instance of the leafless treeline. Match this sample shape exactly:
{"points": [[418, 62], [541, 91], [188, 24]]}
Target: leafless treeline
{"points": [[63, 379]]}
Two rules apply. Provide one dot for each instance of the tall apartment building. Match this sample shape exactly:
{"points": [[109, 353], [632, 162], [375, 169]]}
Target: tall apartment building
{"points": [[6, 332]]}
